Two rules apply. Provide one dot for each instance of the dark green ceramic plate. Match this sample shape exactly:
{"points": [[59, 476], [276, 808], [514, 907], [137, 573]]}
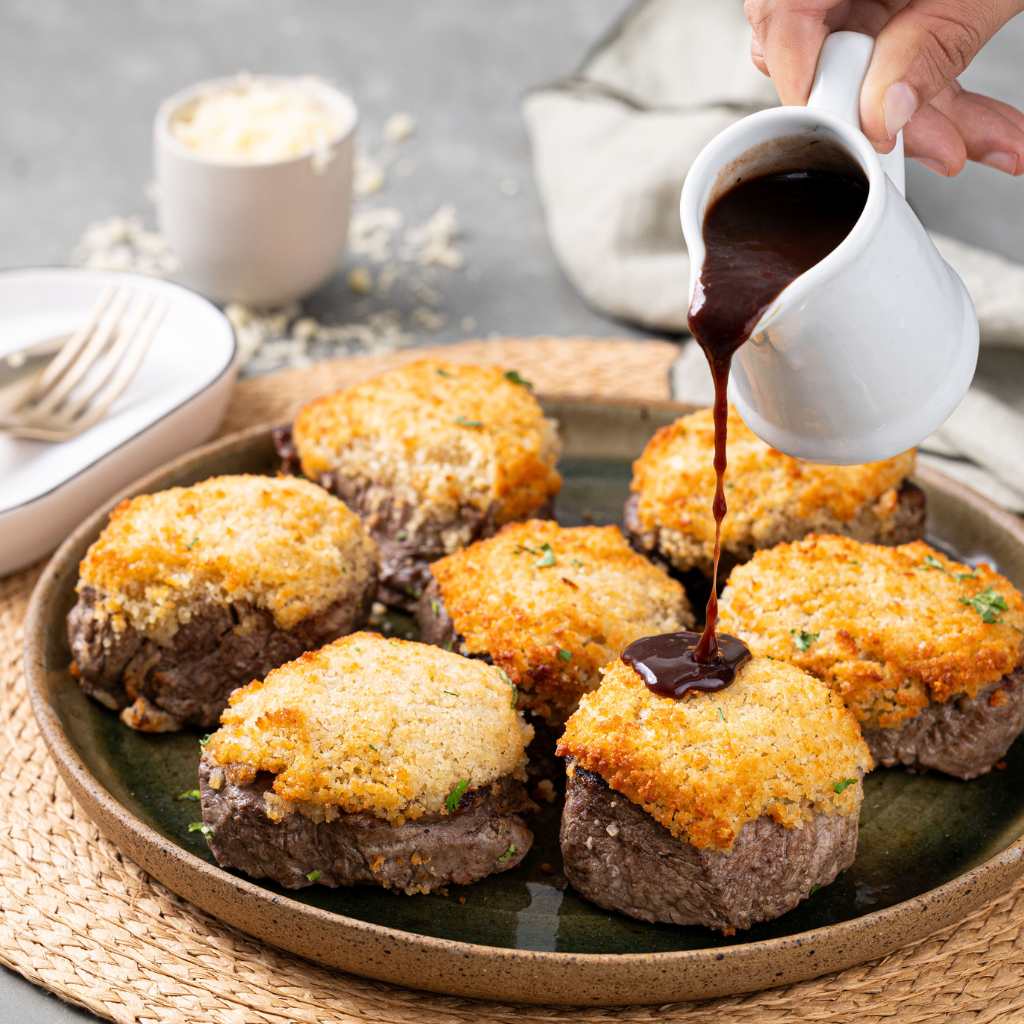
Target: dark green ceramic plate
{"points": [[930, 848]]}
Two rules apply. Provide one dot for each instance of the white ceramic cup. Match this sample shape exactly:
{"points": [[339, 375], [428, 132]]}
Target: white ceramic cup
{"points": [[868, 352], [259, 233]]}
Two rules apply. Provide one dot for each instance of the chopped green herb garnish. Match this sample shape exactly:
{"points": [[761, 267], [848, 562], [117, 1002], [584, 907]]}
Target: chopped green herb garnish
{"points": [[435, 606], [842, 784], [547, 557], [931, 562], [442, 373], [803, 639], [462, 421], [966, 575], [199, 826], [402, 535], [449, 644], [989, 604], [189, 794], [508, 854], [517, 378], [525, 548], [452, 800], [192, 543], [508, 679], [814, 889], [721, 714], [314, 875], [376, 750], [451, 693], [564, 655], [205, 739], [578, 564]]}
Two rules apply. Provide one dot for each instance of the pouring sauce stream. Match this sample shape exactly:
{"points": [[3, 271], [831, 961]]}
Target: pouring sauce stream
{"points": [[759, 236]]}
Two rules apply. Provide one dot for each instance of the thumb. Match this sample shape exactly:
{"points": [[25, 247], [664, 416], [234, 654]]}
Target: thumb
{"points": [[921, 51]]}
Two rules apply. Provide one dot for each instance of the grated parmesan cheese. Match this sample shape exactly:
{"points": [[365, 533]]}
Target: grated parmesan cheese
{"points": [[258, 120]]}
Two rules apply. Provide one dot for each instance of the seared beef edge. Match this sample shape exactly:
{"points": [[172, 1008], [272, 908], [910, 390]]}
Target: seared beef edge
{"points": [[963, 737], [619, 857], [188, 681], [484, 836]]}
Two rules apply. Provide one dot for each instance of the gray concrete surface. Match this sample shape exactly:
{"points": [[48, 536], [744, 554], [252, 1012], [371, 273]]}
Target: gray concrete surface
{"points": [[80, 80]]}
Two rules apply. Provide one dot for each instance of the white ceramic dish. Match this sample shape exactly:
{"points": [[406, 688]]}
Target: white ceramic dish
{"points": [[261, 233], [176, 402]]}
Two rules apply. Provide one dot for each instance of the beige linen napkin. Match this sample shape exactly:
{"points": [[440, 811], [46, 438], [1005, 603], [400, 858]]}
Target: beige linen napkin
{"points": [[612, 144]]}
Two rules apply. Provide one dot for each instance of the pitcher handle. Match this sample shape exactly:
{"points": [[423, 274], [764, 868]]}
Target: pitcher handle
{"points": [[841, 68]]}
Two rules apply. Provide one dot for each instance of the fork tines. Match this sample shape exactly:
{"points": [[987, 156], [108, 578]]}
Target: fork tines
{"points": [[91, 370]]}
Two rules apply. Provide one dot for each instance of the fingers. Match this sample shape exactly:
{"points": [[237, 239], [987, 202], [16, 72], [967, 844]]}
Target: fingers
{"points": [[867, 16], [990, 134], [787, 40], [934, 139], [1012, 114], [920, 52]]}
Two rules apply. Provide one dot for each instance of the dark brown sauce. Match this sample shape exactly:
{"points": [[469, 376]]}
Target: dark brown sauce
{"points": [[759, 237], [668, 663]]}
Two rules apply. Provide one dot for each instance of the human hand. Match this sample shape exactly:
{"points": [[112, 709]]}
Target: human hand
{"points": [[921, 47]]}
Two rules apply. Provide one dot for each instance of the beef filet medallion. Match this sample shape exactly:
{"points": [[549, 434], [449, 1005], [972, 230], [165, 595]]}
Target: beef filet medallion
{"points": [[720, 808], [550, 605], [193, 591], [372, 760], [433, 456], [926, 651], [772, 497]]}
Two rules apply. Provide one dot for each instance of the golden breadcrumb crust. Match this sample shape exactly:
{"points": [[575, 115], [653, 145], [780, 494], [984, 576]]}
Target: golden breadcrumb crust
{"points": [[775, 741], [768, 492], [373, 724], [888, 628], [551, 605], [439, 434], [284, 545]]}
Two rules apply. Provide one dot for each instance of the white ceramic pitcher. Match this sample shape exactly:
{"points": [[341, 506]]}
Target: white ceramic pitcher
{"points": [[869, 351]]}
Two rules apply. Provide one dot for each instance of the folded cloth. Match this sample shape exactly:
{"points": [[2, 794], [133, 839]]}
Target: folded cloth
{"points": [[611, 146]]}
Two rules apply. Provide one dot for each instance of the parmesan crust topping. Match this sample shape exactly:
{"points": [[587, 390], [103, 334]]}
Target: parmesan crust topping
{"points": [[550, 605], [889, 629], [440, 436], [775, 742], [282, 544], [368, 724], [767, 491]]}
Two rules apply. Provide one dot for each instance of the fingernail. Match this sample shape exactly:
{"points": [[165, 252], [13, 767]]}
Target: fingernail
{"points": [[898, 107], [934, 165], [1005, 162]]}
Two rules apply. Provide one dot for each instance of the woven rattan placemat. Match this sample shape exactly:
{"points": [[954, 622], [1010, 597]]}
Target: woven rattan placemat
{"points": [[90, 926]]}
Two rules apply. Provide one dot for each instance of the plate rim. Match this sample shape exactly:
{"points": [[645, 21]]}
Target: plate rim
{"points": [[880, 931]]}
